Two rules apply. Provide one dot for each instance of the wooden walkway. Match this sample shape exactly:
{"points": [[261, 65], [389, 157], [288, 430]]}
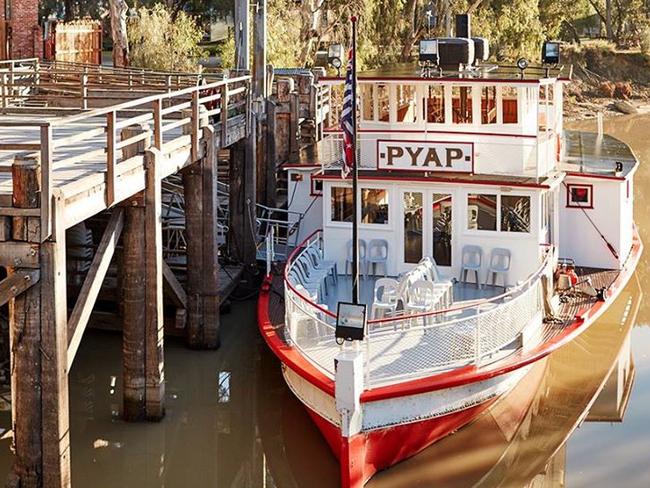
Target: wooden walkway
{"points": [[77, 142]]}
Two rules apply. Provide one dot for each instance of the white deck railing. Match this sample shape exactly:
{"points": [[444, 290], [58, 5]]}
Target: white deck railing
{"points": [[414, 346]]}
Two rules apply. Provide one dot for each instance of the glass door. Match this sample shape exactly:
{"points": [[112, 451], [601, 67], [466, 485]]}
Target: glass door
{"points": [[442, 228], [412, 236]]}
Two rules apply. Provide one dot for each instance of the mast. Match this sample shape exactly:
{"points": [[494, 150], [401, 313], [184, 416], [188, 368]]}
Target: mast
{"points": [[355, 170]]}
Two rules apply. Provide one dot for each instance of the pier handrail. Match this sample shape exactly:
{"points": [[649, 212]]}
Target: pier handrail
{"points": [[476, 332], [177, 115]]}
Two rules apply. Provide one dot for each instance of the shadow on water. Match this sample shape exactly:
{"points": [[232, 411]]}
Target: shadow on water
{"points": [[232, 422]]}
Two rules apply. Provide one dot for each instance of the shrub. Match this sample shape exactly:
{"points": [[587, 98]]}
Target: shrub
{"points": [[644, 40], [162, 42], [607, 89], [623, 90]]}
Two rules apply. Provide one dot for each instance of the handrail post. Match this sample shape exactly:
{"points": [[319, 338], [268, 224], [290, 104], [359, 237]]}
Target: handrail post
{"points": [[46, 181], [224, 114], [157, 124], [111, 157], [195, 125], [84, 89], [3, 91]]}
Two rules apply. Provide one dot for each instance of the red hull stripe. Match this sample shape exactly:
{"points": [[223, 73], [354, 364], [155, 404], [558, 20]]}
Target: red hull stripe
{"points": [[458, 377]]}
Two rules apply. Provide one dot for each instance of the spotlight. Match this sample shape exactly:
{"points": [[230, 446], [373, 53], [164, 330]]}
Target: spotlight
{"points": [[522, 64], [429, 51], [551, 52], [334, 56]]}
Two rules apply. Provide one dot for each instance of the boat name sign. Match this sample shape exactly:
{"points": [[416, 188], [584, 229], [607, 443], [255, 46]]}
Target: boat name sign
{"points": [[453, 157]]}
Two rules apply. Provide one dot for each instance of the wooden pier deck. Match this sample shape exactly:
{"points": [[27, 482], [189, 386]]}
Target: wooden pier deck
{"points": [[79, 143]]}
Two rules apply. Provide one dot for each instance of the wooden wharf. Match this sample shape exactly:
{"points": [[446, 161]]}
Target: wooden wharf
{"points": [[79, 143]]}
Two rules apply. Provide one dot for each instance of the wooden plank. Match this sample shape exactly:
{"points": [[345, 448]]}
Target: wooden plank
{"points": [[53, 349], [174, 289], [93, 283], [154, 326], [16, 283], [195, 126]]}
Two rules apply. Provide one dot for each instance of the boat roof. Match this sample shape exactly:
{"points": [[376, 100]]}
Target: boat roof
{"points": [[483, 72], [590, 154]]}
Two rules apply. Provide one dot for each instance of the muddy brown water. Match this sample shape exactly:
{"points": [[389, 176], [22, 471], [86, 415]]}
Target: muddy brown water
{"points": [[580, 419]]}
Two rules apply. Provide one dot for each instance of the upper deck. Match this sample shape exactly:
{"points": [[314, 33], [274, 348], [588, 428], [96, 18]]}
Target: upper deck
{"points": [[488, 120]]}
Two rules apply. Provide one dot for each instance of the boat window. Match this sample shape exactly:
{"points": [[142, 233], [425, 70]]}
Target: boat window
{"points": [[405, 103], [461, 97], [341, 201], [435, 106], [374, 206], [481, 211], [515, 213], [367, 101], [383, 100], [489, 105], [442, 228], [509, 104]]}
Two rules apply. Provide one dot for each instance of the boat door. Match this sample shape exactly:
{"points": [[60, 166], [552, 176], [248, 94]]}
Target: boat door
{"points": [[426, 226]]}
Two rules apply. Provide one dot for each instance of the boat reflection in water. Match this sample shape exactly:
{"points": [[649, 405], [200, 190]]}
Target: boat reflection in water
{"points": [[520, 441]]}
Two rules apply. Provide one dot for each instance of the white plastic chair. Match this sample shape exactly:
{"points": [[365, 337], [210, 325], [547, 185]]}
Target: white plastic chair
{"points": [[377, 254], [385, 298], [421, 298], [322, 265], [499, 265], [472, 261], [363, 268], [309, 274]]}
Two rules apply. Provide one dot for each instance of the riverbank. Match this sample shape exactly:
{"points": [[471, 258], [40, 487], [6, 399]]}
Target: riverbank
{"points": [[606, 79]]}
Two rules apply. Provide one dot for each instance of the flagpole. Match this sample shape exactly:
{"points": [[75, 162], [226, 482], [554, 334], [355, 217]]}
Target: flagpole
{"points": [[355, 170]]}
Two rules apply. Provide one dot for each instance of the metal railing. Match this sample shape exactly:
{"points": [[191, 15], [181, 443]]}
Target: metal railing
{"points": [[410, 346]]}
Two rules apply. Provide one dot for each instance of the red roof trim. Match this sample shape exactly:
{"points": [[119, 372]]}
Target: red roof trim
{"points": [[438, 179], [422, 131], [595, 176], [446, 79]]}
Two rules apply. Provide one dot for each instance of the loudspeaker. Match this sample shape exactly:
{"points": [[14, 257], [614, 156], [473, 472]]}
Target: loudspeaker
{"points": [[463, 26]]}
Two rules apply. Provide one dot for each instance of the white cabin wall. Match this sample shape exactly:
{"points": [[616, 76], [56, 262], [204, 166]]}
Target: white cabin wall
{"points": [[525, 247], [611, 213], [301, 199]]}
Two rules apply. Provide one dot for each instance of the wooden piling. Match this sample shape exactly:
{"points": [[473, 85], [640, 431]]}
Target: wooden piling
{"points": [[133, 295], [241, 240], [133, 292], [200, 190], [38, 336]]}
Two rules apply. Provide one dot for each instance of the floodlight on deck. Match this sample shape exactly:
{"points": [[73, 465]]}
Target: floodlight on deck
{"points": [[551, 52], [335, 56], [429, 51]]}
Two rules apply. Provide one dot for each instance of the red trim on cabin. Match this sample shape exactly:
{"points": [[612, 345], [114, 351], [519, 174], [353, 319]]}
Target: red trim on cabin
{"points": [[428, 131], [435, 179], [569, 204], [596, 176], [446, 79], [299, 166]]}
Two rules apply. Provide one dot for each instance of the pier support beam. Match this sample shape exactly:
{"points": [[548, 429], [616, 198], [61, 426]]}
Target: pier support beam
{"points": [[143, 356], [200, 190], [38, 336]]}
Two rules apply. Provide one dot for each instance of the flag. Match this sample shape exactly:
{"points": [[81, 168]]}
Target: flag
{"points": [[347, 121]]}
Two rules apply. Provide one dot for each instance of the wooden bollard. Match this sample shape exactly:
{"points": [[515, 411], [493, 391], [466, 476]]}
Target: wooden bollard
{"points": [[26, 193], [138, 147]]}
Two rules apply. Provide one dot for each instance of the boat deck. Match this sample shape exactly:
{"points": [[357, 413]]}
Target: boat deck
{"points": [[393, 353]]}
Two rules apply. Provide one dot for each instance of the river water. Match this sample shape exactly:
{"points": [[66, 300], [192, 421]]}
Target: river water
{"points": [[581, 419]]}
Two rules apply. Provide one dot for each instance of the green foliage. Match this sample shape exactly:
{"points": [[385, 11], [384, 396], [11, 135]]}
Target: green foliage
{"points": [[164, 42]]}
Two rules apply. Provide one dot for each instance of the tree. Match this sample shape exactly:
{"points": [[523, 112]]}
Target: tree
{"points": [[119, 9], [159, 40]]}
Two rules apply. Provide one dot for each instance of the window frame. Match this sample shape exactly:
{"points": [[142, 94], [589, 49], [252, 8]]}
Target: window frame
{"points": [[498, 230], [363, 224], [330, 215], [571, 204]]}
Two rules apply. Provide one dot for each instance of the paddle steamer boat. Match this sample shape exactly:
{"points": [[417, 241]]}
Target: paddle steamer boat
{"points": [[489, 237]]}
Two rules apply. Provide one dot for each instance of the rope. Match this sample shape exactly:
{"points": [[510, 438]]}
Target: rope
{"points": [[609, 245]]}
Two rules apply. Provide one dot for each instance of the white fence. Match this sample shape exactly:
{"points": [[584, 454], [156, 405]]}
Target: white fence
{"points": [[413, 346]]}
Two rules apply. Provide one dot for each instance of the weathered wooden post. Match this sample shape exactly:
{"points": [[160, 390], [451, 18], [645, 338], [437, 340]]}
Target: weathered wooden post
{"points": [[142, 291], [38, 336], [242, 36], [200, 190], [283, 125]]}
